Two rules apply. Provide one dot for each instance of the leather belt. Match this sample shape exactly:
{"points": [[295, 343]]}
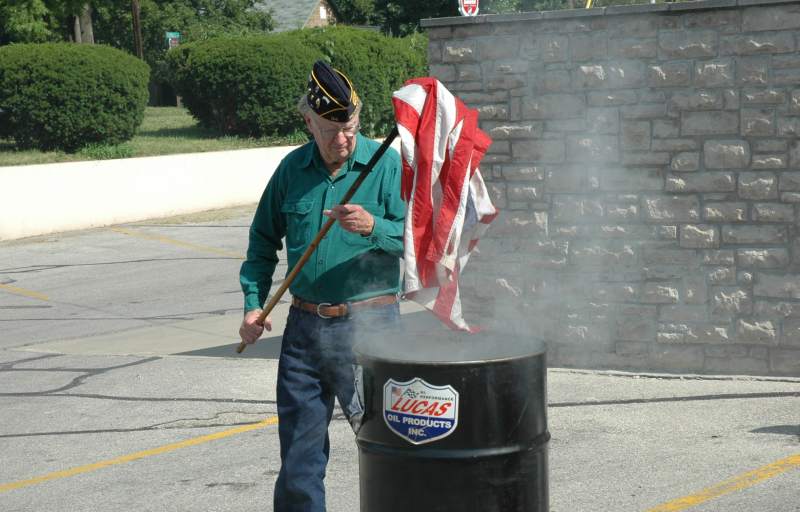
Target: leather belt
{"points": [[326, 310]]}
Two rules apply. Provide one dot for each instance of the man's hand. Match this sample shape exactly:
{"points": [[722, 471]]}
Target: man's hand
{"points": [[251, 328], [352, 217]]}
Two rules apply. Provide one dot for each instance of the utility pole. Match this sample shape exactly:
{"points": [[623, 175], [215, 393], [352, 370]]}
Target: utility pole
{"points": [[137, 29]]}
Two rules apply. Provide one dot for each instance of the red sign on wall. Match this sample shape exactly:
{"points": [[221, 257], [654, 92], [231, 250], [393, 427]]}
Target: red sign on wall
{"points": [[468, 7]]}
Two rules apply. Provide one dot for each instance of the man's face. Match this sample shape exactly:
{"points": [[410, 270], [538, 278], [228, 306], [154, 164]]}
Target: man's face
{"points": [[336, 141]]}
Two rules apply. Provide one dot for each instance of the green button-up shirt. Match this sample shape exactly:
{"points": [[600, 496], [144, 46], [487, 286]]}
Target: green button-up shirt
{"points": [[346, 266]]}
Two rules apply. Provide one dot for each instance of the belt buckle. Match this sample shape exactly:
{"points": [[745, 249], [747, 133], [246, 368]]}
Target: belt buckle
{"points": [[321, 305]]}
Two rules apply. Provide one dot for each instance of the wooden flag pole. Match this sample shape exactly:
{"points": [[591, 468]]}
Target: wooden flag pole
{"points": [[322, 232]]}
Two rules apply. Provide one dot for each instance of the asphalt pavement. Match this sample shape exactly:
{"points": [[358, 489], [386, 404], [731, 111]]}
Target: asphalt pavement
{"points": [[120, 390]]}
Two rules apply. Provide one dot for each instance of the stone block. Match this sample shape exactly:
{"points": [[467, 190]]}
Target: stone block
{"points": [[575, 208], [497, 48], [773, 212], [669, 74], [699, 236], [643, 158], [635, 323], [789, 126], [786, 76], [602, 120], [693, 99], [726, 154], [659, 293], [522, 173], [520, 192], [721, 276], [786, 61], [589, 46], [794, 154], [700, 182], [594, 148], [586, 254], [687, 44], [736, 365], [611, 98], [709, 123], [769, 161], [459, 51], [724, 212], [789, 181], [627, 179], [625, 74], [723, 257], [770, 145], [714, 73], [752, 71], [624, 213], [645, 111], [685, 162], [554, 81], [553, 47], [794, 102], [758, 185], [544, 151], [444, 72], [676, 357], [674, 145], [755, 331], [778, 17], [499, 111], [784, 286], [791, 333], [666, 128], [758, 122], [732, 99], [682, 314], [723, 20], [728, 302], [569, 180], [757, 44], [631, 348], [522, 223], [633, 48], [754, 235], [785, 362], [763, 96], [553, 106], [670, 209], [763, 258], [516, 131], [662, 254], [636, 135]]}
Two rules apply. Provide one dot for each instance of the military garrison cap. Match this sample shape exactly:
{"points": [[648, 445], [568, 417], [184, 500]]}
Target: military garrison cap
{"points": [[331, 94]]}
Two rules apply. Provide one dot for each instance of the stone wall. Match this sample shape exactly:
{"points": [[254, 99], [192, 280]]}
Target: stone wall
{"points": [[647, 165]]}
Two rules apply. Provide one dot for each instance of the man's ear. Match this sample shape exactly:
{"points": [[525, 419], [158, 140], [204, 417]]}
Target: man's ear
{"points": [[309, 123]]}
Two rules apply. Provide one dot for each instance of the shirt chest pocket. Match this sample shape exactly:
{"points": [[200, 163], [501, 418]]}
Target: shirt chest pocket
{"points": [[298, 224]]}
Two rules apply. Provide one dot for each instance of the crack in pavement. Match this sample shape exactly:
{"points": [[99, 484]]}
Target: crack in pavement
{"points": [[87, 373], [631, 401], [39, 268]]}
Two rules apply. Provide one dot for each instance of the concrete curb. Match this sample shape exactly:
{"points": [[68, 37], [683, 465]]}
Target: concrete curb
{"points": [[48, 198]]}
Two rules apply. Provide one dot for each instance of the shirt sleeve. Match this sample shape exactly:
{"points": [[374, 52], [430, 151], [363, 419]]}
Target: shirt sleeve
{"points": [[266, 232], [387, 233]]}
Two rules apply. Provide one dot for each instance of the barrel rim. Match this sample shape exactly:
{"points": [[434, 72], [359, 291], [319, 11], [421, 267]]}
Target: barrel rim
{"points": [[543, 354]]}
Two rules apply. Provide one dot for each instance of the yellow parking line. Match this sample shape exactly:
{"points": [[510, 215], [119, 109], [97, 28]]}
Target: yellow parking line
{"points": [[23, 291], [172, 241], [136, 456], [734, 484]]}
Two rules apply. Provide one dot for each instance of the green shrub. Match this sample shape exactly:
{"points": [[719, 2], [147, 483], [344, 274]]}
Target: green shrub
{"points": [[245, 85], [66, 96], [250, 85], [377, 65]]}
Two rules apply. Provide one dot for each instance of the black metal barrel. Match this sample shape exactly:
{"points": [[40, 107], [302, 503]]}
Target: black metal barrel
{"points": [[455, 424]]}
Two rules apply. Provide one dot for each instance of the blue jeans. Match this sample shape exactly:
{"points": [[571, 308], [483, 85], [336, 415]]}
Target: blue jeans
{"points": [[316, 365]]}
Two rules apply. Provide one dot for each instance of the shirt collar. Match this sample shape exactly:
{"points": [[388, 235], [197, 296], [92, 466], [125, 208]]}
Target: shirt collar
{"points": [[360, 156]]}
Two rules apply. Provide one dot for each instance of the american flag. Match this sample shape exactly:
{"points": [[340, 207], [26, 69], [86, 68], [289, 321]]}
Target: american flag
{"points": [[448, 204]]}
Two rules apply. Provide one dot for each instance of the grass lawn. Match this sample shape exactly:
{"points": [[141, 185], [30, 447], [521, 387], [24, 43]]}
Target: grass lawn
{"points": [[164, 131]]}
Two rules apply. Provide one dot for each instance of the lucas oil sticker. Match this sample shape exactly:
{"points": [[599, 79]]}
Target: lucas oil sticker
{"points": [[420, 412]]}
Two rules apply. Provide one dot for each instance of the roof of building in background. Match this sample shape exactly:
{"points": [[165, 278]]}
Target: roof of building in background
{"points": [[290, 14]]}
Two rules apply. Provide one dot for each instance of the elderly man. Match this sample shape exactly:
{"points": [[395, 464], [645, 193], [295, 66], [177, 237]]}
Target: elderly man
{"points": [[349, 287]]}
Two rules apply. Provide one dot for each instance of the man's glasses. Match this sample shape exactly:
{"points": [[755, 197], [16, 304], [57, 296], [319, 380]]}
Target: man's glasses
{"points": [[348, 131]]}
